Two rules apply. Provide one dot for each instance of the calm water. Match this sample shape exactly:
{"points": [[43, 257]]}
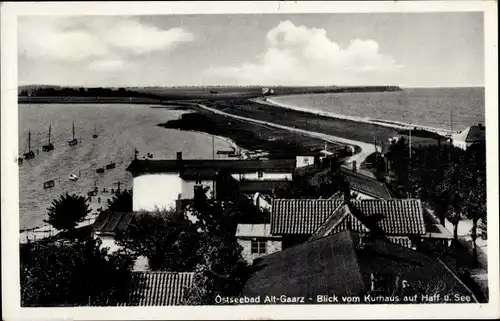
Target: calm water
{"points": [[428, 107], [121, 128]]}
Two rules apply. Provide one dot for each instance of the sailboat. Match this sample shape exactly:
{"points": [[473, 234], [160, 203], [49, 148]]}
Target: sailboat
{"points": [[30, 154], [74, 141], [95, 135], [49, 146]]}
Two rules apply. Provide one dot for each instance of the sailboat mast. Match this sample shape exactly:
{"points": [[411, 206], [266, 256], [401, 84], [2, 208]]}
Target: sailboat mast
{"points": [[29, 141], [50, 127], [73, 130]]}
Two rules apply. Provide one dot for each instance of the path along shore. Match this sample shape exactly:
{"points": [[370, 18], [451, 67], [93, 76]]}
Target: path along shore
{"points": [[366, 148]]}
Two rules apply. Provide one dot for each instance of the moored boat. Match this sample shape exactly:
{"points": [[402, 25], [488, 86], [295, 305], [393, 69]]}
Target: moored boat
{"points": [[111, 166], [73, 177], [49, 184], [49, 146], [95, 135], [74, 141], [30, 154], [100, 170]]}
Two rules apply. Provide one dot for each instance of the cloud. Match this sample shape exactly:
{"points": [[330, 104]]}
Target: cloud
{"points": [[302, 55], [101, 42]]}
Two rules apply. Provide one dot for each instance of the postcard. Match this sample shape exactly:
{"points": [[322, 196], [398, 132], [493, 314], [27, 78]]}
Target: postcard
{"points": [[255, 160]]}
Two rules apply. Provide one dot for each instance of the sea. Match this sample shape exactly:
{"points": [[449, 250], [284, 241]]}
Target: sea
{"points": [[451, 109], [122, 128]]}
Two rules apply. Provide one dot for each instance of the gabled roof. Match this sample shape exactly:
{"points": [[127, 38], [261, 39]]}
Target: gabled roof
{"points": [[338, 265], [366, 185], [305, 216], [476, 133], [139, 166], [158, 288], [111, 222]]}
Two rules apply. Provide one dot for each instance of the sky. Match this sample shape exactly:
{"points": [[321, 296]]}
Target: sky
{"points": [[403, 49]]}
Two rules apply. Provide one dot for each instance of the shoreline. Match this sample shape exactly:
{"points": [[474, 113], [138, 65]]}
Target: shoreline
{"points": [[380, 122]]}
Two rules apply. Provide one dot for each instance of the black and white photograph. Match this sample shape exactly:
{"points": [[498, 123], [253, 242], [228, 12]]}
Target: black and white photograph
{"points": [[282, 157]]}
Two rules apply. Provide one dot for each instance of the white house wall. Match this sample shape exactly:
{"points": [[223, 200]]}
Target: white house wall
{"points": [[156, 190], [272, 246]]}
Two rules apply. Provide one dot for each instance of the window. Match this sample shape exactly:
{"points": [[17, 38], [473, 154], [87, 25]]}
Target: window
{"points": [[198, 182], [258, 247], [306, 160]]}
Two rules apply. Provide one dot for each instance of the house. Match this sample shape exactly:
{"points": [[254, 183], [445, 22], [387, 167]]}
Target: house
{"points": [[108, 224], [364, 187], [471, 135], [106, 227], [160, 183], [261, 191], [347, 264], [158, 288], [256, 241], [299, 220]]}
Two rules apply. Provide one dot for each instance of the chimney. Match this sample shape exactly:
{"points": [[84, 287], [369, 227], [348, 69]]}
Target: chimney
{"points": [[179, 156], [353, 166]]}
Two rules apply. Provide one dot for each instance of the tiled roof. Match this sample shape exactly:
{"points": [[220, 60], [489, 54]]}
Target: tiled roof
{"points": [[159, 288], [111, 222], [138, 166], [305, 216], [338, 265], [366, 185]]}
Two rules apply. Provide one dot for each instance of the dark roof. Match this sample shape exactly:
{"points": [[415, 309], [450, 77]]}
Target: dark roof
{"points": [[366, 185], [111, 222], [264, 186], [476, 133], [305, 216], [326, 266], [158, 288], [198, 173], [138, 166], [338, 265]]}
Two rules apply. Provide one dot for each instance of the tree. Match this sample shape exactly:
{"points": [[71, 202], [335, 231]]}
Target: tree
{"points": [[167, 238], [121, 202], [73, 274], [222, 272], [66, 212]]}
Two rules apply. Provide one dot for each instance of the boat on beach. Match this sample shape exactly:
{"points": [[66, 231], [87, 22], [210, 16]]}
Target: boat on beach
{"points": [[49, 146], [100, 170], [30, 154], [74, 141]]}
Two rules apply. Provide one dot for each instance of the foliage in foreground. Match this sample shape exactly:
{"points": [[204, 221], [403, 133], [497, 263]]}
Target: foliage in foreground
{"points": [[73, 274], [167, 238]]}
